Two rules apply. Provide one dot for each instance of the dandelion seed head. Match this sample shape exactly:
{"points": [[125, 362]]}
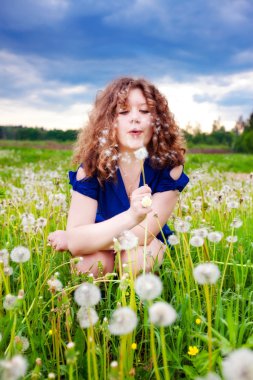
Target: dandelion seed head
{"points": [[4, 257], [127, 240], [215, 236], [41, 222], [10, 302], [14, 368], [87, 295], [87, 317], [238, 365], [148, 286], [196, 241], [141, 154], [181, 225], [54, 285], [236, 223], [173, 239], [20, 254], [21, 343], [114, 364], [206, 273], [202, 232], [8, 271], [232, 239], [123, 321], [162, 314]]}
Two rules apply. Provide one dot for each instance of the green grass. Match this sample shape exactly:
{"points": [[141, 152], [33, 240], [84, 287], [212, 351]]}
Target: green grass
{"points": [[49, 319]]}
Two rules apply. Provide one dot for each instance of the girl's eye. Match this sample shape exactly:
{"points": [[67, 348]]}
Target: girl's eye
{"points": [[123, 112], [144, 111]]}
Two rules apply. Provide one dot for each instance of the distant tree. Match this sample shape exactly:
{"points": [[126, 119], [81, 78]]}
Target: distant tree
{"points": [[244, 141]]}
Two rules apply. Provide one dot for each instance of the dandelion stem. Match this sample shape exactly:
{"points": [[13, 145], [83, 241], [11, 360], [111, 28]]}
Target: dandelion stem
{"points": [[164, 353], [209, 324], [153, 351]]}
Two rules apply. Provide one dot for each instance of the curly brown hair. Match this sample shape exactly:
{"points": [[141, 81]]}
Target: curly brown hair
{"points": [[96, 147]]}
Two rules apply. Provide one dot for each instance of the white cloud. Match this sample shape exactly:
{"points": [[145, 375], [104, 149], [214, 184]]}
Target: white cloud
{"points": [[216, 93]]}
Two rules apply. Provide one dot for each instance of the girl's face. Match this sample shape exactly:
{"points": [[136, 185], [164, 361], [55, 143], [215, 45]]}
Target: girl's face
{"points": [[133, 123]]}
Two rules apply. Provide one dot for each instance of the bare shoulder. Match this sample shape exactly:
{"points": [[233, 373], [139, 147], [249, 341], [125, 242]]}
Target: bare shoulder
{"points": [[80, 174], [176, 172]]}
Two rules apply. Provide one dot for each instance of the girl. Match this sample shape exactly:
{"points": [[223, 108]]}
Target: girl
{"points": [[108, 187]]}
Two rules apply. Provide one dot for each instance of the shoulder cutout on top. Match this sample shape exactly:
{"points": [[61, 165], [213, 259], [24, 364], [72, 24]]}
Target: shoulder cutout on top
{"points": [[176, 172], [80, 174]]}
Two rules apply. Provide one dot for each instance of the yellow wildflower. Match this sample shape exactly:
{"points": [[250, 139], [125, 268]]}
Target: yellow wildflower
{"points": [[193, 350], [198, 321], [133, 346], [50, 332]]}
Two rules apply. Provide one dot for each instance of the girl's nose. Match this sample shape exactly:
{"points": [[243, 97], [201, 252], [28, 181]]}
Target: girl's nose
{"points": [[134, 116]]}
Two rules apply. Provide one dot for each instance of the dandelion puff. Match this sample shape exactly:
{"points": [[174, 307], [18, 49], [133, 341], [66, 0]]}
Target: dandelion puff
{"points": [[87, 295], [10, 302], [232, 204], [20, 254], [123, 321], [207, 273], [54, 285], [127, 240], [173, 239], [236, 223], [215, 236], [196, 241], [87, 317], [182, 225], [4, 257], [141, 153], [232, 239], [162, 314], [148, 286], [41, 222], [8, 271], [14, 368], [202, 232], [238, 365], [21, 343]]}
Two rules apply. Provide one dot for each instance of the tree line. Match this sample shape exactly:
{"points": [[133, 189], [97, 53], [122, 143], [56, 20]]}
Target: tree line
{"points": [[239, 139]]}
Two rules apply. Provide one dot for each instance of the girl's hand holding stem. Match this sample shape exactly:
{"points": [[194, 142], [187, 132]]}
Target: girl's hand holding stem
{"points": [[138, 209]]}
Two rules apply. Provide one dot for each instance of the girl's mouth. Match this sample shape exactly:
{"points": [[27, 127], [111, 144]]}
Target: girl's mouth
{"points": [[136, 133]]}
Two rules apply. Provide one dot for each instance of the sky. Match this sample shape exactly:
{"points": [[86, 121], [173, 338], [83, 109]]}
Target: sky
{"points": [[56, 54]]}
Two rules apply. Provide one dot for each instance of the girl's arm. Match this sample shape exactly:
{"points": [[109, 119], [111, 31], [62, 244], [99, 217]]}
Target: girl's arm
{"points": [[85, 236], [162, 206]]}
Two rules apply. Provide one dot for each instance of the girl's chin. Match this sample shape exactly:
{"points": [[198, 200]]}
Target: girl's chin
{"points": [[131, 147]]}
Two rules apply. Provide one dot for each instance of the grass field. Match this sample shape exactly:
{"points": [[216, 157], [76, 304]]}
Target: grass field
{"points": [[40, 322]]}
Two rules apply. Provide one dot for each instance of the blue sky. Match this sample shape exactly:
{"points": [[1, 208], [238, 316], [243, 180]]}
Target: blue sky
{"points": [[56, 54]]}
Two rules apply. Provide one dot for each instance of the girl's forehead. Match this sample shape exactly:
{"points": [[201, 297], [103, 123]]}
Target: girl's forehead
{"points": [[134, 95]]}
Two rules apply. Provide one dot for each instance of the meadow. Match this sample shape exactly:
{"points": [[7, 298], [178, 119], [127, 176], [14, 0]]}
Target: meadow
{"points": [[185, 321]]}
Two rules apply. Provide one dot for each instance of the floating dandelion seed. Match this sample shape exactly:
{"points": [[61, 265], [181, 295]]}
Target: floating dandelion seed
{"points": [[127, 240], [148, 286], [236, 223], [207, 273], [10, 302], [87, 295], [173, 239], [238, 365], [87, 317], [141, 153], [215, 236], [123, 321], [20, 254], [162, 314], [14, 368], [196, 241], [232, 239]]}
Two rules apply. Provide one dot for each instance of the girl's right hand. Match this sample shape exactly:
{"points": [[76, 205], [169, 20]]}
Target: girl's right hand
{"points": [[137, 210]]}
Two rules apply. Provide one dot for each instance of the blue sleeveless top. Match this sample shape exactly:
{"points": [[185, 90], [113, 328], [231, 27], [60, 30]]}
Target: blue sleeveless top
{"points": [[112, 197]]}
